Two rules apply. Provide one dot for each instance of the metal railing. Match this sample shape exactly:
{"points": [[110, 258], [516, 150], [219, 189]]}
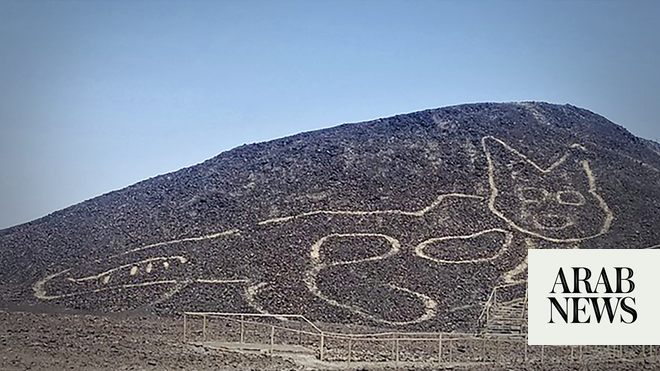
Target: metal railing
{"points": [[397, 347], [328, 345], [484, 316]]}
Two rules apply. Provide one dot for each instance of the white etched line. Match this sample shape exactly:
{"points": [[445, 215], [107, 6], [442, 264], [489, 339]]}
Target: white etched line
{"points": [[508, 238], [609, 216], [420, 212], [316, 248], [202, 280], [181, 259], [171, 242]]}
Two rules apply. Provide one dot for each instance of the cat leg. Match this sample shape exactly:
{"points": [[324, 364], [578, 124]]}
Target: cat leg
{"points": [[347, 274]]}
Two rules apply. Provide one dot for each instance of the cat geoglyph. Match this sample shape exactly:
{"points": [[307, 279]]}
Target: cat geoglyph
{"points": [[527, 202]]}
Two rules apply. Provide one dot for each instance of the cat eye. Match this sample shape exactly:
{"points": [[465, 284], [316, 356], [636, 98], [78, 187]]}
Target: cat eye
{"points": [[531, 194], [574, 198]]}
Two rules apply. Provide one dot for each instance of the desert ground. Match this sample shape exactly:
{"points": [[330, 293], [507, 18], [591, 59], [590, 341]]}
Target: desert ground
{"points": [[75, 341]]}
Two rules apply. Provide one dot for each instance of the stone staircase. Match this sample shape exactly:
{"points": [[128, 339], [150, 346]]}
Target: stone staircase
{"points": [[508, 318]]}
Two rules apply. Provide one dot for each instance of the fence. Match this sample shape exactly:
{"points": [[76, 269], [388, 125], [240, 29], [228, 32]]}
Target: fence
{"points": [[502, 294], [294, 333]]}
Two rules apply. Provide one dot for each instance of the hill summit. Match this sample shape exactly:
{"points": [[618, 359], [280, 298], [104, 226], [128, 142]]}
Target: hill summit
{"points": [[408, 221]]}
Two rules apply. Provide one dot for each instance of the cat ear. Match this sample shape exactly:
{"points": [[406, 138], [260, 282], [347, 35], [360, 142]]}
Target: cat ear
{"points": [[507, 162], [575, 165], [506, 159]]}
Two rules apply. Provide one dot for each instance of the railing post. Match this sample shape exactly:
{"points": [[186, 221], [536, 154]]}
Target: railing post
{"points": [[542, 351], [242, 329], [184, 327], [204, 328], [450, 346], [350, 346], [395, 337], [396, 342], [525, 347], [440, 348], [483, 349]]}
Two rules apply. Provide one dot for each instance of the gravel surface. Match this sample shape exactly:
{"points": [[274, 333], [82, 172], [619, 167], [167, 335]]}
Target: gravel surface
{"points": [[34, 341], [57, 341]]}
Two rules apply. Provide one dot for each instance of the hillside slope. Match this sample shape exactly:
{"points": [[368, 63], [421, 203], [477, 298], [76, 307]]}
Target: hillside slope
{"points": [[407, 221]]}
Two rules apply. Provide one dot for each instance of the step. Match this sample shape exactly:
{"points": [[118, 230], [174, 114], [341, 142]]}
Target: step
{"points": [[507, 319]]}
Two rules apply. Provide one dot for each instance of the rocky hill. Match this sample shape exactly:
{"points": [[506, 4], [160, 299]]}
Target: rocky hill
{"points": [[407, 221]]}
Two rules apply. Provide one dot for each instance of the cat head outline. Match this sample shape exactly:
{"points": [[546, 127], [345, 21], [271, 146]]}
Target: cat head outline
{"points": [[559, 203]]}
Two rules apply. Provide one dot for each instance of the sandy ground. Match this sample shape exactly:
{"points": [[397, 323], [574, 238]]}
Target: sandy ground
{"points": [[59, 341], [32, 341]]}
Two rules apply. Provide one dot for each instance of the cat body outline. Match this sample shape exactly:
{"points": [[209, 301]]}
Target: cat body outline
{"points": [[516, 183]]}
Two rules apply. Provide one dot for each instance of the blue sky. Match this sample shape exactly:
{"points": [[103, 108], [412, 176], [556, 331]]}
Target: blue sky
{"points": [[97, 95]]}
